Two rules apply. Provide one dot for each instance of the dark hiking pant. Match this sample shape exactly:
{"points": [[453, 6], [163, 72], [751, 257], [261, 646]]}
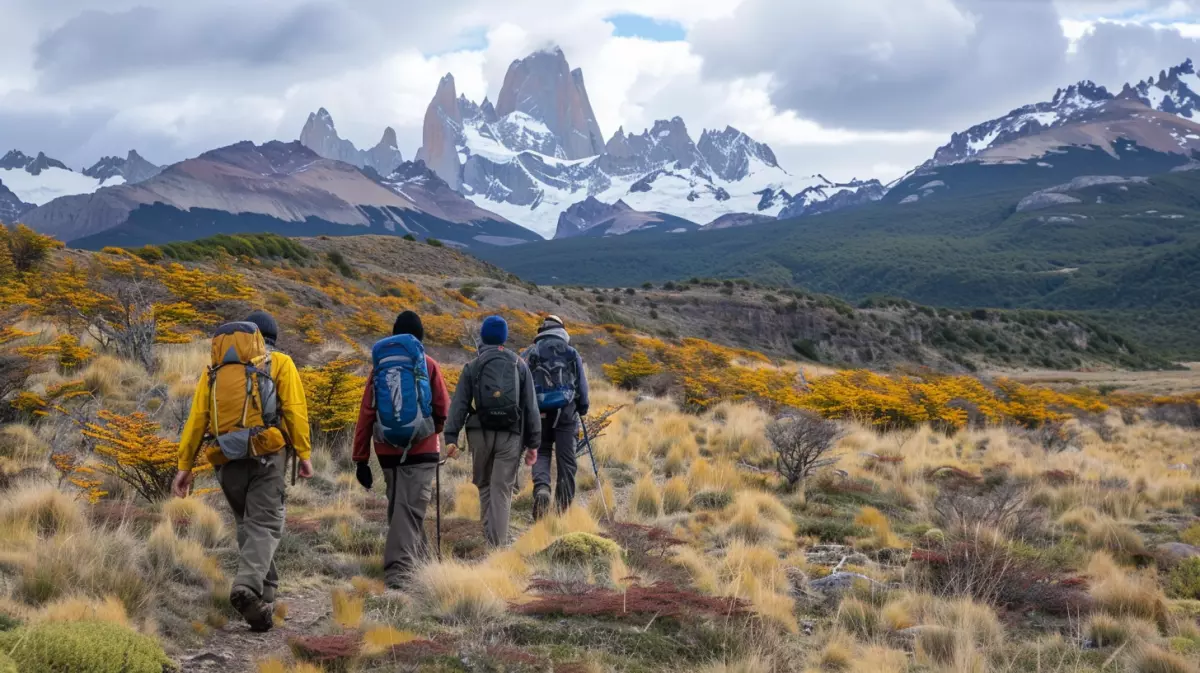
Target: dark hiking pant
{"points": [[496, 457], [254, 489], [558, 437], [409, 489]]}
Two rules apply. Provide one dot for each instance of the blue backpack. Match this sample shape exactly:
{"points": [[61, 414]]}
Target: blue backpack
{"points": [[403, 398], [553, 363]]}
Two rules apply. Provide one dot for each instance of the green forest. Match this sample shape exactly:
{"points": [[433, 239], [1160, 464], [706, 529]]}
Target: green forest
{"points": [[1126, 255]]}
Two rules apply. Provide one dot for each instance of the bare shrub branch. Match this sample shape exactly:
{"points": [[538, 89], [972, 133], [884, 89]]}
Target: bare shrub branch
{"points": [[801, 442]]}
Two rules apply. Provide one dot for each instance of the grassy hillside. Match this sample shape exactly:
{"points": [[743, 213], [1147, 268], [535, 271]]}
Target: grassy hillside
{"points": [[1139, 268], [948, 523]]}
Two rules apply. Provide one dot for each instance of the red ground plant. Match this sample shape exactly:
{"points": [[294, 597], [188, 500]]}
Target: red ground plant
{"points": [[333, 653]]}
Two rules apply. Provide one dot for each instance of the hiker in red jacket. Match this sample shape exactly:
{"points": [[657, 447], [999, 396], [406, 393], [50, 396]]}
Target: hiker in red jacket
{"points": [[409, 476]]}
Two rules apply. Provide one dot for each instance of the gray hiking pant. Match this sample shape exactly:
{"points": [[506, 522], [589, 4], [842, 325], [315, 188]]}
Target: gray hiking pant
{"points": [[496, 457], [254, 489], [409, 489], [558, 437]]}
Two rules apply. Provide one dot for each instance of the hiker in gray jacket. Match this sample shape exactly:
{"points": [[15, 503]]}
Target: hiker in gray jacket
{"points": [[496, 401], [562, 390]]}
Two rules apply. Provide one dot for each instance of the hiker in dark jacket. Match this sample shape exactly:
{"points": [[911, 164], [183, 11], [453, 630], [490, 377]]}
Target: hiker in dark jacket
{"points": [[496, 401], [408, 477], [562, 388]]}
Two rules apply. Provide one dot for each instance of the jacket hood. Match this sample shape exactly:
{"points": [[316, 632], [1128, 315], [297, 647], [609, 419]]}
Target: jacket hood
{"points": [[554, 332]]}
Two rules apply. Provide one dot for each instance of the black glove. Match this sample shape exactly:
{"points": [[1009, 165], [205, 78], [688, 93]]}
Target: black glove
{"points": [[582, 411], [363, 474]]}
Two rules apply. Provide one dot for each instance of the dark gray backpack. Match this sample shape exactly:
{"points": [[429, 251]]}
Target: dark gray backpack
{"points": [[555, 376], [498, 390]]}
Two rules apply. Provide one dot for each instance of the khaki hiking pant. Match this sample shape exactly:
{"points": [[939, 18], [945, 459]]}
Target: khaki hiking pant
{"points": [[254, 488], [409, 489], [496, 458]]}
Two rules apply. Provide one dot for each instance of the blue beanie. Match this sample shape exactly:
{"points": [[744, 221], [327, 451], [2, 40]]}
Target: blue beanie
{"points": [[494, 331]]}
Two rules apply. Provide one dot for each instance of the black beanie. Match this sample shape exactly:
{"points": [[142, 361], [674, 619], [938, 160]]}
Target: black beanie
{"points": [[266, 325], [409, 322]]}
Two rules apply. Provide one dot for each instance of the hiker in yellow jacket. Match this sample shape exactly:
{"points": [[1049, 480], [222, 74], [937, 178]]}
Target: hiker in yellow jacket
{"points": [[250, 463]]}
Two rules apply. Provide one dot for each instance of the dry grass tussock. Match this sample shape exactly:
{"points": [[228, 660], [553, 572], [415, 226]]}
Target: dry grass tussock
{"points": [[466, 501], [466, 592], [38, 512], [758, 517], [881, 529], [180, 558], [540, 535], [1120, 592], [721, 476], [196, 520], [88, 562], [115, 379], [675, 495], [752, 664], [646, 500], [81, 608], [180, 366], [20, 443], [735, 431], [756, 574]]}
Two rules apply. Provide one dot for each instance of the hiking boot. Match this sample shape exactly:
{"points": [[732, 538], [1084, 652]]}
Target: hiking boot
{"points": [[258, 615], [268, 594], [541, 502]]}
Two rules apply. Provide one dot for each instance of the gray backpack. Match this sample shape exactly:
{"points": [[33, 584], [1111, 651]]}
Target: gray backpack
{"points": [[555, 377], [498, 390]]}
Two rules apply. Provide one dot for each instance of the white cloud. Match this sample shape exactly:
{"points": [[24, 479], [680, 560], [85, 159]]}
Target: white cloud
{"points": [[850, 88]]}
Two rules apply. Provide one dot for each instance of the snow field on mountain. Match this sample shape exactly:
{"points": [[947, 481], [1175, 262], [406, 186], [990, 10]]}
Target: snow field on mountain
{"points": [[50, 184]]}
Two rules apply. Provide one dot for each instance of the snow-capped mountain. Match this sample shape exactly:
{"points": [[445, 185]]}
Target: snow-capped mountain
{"points": [[1067, 106], [279, 187], [12, 207], [831, 196], [592, 217], [537, 152], [320, 135], [1155, 112], [38, 180], [132, 169], [1176, 91]]}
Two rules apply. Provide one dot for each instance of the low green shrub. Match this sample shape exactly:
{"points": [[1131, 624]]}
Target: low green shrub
{"points": [[95, 647], [712, 500], [1184, 579], [582, 549]]}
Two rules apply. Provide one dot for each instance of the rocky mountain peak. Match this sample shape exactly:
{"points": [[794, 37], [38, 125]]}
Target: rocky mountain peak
{"points": [[43, 162], [488, 110], [543, 86], [729, 152], [1085, 90], [132, 169], [1176, 91], [442, 133], [15, 159], [583, 215], [389, 139], [320, 135]]}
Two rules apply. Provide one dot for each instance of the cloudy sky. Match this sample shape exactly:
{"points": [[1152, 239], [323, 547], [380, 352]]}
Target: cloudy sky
{"points": [[849, 88]]}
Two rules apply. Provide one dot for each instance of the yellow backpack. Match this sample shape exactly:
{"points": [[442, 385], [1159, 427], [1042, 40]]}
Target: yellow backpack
{"points": [[243, 403]]}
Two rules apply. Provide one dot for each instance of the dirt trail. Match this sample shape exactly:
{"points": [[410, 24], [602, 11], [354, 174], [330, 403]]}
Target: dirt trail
{"points": [[236, 649]]}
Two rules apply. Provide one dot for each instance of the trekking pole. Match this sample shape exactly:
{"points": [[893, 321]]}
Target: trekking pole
{"points": [[595, 468], [295, 463], [438, 505]]}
